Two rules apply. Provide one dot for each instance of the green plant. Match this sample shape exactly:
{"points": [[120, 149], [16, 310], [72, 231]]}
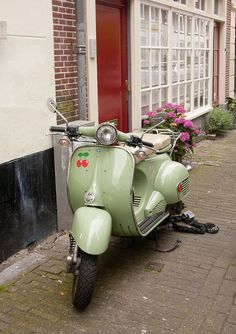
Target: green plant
{"points": [[177, 122], [3, 288], [231, 104], [219, 119]]}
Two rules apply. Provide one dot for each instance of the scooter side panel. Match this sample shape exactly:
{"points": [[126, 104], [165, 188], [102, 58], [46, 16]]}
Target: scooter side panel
{"points": [[101, 176], [169, 176]]}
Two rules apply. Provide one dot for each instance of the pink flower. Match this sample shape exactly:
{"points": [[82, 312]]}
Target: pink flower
{"points": [[196, 131], [159, 109], [179, 120], [188, 124], [169, 106], [171, 115], [146, 121], [179, 109], [184, 136], [151, 113]]}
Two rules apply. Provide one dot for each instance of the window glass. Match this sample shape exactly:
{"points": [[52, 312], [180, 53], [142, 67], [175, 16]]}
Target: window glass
{"points": [[175, 65], [216, 7], [200, 4], [164, 27], [144, 15], [145, 68], [183, 2], [154, 26]]}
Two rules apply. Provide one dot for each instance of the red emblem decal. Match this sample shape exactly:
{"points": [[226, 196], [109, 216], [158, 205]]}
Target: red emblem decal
{"points": [[85, 163], [82, 163]]}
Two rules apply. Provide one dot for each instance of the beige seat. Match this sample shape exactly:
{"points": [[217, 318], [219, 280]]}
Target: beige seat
{"points": [[159, 142]]}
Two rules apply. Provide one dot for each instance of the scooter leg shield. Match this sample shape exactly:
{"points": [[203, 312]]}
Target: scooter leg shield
{"points": [[91, 229]]}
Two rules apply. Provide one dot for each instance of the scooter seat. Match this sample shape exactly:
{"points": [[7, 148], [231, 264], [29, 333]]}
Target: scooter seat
{"points": [[159, 141]]}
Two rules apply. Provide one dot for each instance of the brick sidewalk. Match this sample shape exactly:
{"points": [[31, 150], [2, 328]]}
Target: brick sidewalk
{"points": [[195, 292]]}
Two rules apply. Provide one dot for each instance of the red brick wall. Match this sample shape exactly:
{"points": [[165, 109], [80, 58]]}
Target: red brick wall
{"points": [[228, 31], [64, 26]]}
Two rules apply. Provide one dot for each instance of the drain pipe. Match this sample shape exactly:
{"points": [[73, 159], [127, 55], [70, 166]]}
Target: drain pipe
{"points": [[81, 58]]}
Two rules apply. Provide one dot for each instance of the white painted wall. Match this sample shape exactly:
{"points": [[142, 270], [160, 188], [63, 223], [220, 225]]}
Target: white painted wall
{"points": [[26, 78]]}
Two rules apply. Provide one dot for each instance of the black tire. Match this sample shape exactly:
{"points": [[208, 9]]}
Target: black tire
{"points": [[84, 280]]}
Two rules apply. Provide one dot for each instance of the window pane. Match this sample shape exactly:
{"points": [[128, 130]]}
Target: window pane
{"points": [[207, 64], [182, 94], [155, 26], [197, 28], [201, 93], [182, 66], [196, 95], [144, 16], [206, 92], [145, 98], [175, 94], [164, 27], [164, 67], [163, 96], [202, 53], [182, 31], [207, 34], [189, 65], [188, 97], [196, 65], [145, 68], [155, 67], [216, 7], [189, 32], [175, 18], [155, 99], [174, 66]]}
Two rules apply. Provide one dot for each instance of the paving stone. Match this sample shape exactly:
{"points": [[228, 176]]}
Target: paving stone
{"points": [[222, 304], [229, 329], [214, 321], [232, 315], [228, 288], [231, 273]]}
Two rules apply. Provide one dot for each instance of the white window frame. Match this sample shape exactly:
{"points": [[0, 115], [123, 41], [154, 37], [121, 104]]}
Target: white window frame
{"points": [[201, 110]]}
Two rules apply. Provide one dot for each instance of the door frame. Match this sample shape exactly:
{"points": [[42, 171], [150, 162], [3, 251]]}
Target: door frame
{"points": [[134, 116]]}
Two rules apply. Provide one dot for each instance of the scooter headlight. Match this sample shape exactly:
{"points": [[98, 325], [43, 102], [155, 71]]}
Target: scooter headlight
{"points": [[106, 134]]}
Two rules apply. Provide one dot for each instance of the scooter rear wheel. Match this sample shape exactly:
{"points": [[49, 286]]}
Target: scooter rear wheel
{"points": [[84, 280]]}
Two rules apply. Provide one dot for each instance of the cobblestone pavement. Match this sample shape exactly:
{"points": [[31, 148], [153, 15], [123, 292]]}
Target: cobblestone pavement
{"points": [[190, 290]]}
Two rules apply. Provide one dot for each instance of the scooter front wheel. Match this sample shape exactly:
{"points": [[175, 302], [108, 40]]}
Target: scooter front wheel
{"points": [[84, 279]]}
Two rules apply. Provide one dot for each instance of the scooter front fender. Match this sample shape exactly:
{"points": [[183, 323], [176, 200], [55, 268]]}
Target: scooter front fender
{"points": [[91, 229]]}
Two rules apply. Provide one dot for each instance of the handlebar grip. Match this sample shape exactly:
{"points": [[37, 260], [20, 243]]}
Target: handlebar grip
{"points": [[146, 143], [57, 129]]}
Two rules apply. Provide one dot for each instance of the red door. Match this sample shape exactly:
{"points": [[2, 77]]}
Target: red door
{"points": [[112, 62]]}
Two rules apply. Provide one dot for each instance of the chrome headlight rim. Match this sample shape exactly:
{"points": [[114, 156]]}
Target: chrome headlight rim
{"points": [[103, 130]]}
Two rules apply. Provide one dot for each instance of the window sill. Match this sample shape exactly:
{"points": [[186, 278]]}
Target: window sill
{"points": [[197, 113]]}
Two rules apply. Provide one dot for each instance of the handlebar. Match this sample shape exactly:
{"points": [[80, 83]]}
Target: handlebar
{"points": [[75, 131], [57, 129]]}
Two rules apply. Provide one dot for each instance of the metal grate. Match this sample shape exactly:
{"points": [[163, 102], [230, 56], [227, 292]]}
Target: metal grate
{"points": [[185, 184], [137, 201]]}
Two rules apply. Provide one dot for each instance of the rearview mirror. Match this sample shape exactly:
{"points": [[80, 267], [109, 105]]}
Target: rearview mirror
{"points": [[52, 106], [160, 117]]}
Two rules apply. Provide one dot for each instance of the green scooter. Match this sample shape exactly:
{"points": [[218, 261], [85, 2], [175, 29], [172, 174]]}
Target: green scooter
{"points": [[120, 184]]}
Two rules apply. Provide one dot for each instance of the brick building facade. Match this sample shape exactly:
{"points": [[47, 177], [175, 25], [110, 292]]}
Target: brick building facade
{"points": [[64, 27]]}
